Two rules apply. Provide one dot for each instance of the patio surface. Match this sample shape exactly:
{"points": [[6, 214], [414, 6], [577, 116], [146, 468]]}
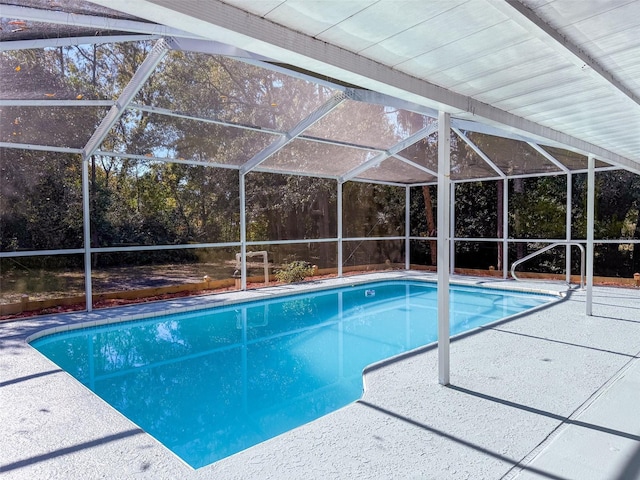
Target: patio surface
{"points": [[549, 394]]}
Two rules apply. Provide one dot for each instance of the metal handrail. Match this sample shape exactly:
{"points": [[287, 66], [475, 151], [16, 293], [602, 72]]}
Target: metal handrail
{"points": [[549, 247]]}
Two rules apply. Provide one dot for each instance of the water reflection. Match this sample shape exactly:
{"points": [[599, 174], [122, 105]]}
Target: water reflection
{"points": [[209, 384]]}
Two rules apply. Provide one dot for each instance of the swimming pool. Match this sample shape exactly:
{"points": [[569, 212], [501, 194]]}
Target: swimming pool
{"points": [[210, 383]]}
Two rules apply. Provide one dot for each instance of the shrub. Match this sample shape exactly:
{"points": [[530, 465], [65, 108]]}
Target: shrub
{"points": [[294, 272]]}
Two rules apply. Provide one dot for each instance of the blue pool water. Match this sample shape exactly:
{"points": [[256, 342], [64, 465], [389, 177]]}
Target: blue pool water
{"points": [[211, 383]]}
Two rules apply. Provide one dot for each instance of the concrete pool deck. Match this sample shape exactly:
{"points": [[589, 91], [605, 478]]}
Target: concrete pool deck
{"points": [[548, 394]]}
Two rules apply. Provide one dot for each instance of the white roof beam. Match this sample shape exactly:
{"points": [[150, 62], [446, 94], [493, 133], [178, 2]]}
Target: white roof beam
{"points": [[212, 48], [486, 129], [228, 24], [296, 131], [377, 98], [527, 18], [42, 148], [339, 143], [165, 159], [398, 147], [159, 51], [91, 21], [479, 152], [56, 103], [10, 45], [172, 113], [278, 171]]}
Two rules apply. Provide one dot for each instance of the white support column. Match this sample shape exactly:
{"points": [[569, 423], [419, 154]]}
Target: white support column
{"points": [[568, 225], [444, 181], [243, 235], [339, 228], [86, 220], [407, 227], [591, 214], [505, 229]]}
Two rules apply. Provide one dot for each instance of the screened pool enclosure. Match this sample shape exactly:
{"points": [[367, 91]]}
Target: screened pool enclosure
{"points": [[142, 157]]}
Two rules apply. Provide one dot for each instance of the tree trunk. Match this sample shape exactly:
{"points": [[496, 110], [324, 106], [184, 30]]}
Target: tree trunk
{"points": [[431, 224], [61, 60]]}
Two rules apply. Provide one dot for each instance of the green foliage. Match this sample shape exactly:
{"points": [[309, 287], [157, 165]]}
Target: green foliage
{"points": [[617, 204], [372, 210], [476, 212], [537, 208], [295, 271], [290, 207], [40, 200], [145, 202]]}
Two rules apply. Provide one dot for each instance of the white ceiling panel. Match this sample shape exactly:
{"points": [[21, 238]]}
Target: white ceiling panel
{"points": [[605, 16], [434, 33], [500, 67], [546, 80], [260, 8], [549, 108], [365, 29], [535, 92], [617, 53], [604, 129], [614, 41], [558, 116], [561, 13], [455, 53], [315, 16]]}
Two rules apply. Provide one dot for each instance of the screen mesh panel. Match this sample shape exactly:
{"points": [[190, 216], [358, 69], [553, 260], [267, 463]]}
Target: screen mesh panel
{"points": [[165, 136], [54, 126], [368, 125], [305, 156], [394, 170], [228, 90]]}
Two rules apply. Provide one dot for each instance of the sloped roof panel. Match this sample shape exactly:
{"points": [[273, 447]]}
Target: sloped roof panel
{"points": [[368, 125], [225, 89], [395, 170], [317, 158], [163, 136], [69, 127]]}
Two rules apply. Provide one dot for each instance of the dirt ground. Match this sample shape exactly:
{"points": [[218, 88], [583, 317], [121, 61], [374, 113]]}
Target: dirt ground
{"points": [[42, 285], [116, 302], [45, 284]]}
